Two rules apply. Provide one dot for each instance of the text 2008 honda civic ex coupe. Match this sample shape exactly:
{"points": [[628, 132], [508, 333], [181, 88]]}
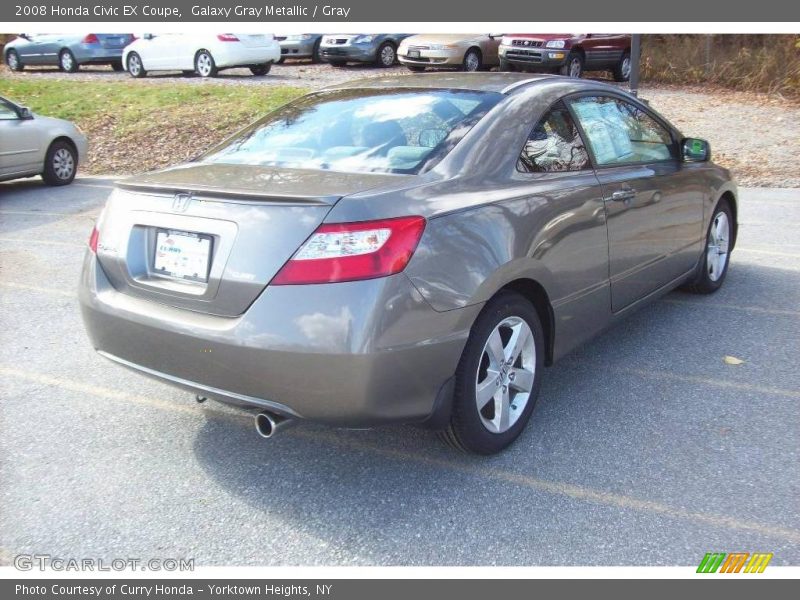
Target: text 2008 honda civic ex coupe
{"points": [[406, 249]]}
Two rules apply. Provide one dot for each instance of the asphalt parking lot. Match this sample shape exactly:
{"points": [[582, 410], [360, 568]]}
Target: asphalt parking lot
{"points": [[646, 448]]}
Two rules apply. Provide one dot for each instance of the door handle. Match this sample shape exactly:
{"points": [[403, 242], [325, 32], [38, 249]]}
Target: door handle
{"points": [[622, 195]]}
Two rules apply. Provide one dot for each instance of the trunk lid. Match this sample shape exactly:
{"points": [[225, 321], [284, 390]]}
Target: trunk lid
{"points": [[257, 40], [232, 226]]}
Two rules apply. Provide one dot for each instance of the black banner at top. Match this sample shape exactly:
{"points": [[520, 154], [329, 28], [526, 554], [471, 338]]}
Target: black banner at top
{"points": [[398, 11]]}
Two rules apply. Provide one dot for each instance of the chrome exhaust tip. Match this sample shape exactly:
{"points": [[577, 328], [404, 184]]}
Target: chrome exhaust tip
{"points": [[268, 424]]}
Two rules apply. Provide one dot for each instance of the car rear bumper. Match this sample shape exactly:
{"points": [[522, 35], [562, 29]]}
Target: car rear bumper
{"points": [[534, 58], [88, 54], [297, 49], [352, 354], [226, 57]]}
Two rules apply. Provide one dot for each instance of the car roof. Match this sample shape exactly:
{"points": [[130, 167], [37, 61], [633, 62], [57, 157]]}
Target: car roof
{"points": [[479, 82]]}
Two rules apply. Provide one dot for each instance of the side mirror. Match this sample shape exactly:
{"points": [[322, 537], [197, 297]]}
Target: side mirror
{"points": [[494, 36], [25, 36], [695, 150], [24, 113], [148, 36]]}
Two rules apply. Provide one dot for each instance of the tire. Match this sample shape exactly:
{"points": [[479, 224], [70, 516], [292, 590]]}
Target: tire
{"points": [[60, 164], [573, 66], [386, 55], [472, 60], [67, 62], [622, 71], [507, 66], [484, 431], [315, 56], [135, 66], [204, 64], [338, 64], [261, 70], [13, 61], [710, 274], [117, 66], [415, 68], [281, 60]]}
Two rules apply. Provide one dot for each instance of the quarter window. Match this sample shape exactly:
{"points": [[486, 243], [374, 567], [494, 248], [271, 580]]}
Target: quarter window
{"points": [[620, 133], [554, 145]]}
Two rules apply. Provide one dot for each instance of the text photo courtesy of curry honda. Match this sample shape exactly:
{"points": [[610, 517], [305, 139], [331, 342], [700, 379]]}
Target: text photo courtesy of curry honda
{"points": [[358, 198]]}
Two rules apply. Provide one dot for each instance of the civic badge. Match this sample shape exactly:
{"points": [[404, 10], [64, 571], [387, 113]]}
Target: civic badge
{"points": [[181, 202]]}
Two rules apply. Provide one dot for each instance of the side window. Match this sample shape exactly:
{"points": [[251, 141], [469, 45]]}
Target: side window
{"points": [[554, 145], [620, 133], [7, 113]]}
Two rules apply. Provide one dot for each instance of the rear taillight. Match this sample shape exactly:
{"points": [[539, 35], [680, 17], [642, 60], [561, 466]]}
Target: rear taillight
{"points": [[93, 239], [351, 251], [90, 38], [227, 37]]}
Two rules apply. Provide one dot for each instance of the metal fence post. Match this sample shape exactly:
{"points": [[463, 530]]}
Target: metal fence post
{"points": [[636, 52]]}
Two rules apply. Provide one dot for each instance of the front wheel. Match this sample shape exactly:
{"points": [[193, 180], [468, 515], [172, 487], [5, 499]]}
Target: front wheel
{"points": [[498, 377], [13, 61], [67, 62], [204, 64], [713, 265], [135, 66], [472, 60], [622, 72], [60, 164], [260, 70], [573, 67]]}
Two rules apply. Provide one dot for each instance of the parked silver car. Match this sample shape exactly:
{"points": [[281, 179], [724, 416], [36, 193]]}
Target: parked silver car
{"points": [[409, 249], [338, 49], [300, 45], [68, 51], [34, 145]]}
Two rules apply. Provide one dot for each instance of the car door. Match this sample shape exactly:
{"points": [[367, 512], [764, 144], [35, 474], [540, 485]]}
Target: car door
{"points": [[20, 142], [602, 50], [35, 49], [654, 209], [159, 51]]}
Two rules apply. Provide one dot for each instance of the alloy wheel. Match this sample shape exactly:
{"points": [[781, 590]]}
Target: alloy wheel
{"points": [[387, 56], [626, 67], [506, 373], [134, 65], [63, 163], [718, 246], [472, 62], [575, 67], [66, 61], [13, 61], [204, 65]]}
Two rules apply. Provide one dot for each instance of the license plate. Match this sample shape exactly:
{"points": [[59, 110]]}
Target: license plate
{"points": [[413, 54], [182, 255]]}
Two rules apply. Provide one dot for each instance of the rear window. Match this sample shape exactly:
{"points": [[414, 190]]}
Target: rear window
{"points": [[359, 130]]}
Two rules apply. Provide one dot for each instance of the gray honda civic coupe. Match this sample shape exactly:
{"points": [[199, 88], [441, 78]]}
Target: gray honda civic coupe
{"points": [[411, 249]]}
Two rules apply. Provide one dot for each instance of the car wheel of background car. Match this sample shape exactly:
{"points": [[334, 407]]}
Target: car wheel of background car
{"points": [[117, 65], [415, 68], [338, 63], [13, 61], [67, 62], [60, 164], [498, 376], [713, 266], [204, 64], [259, 70], [472, 60], [315, 56], [386, 55], [622, 72], [507, 66], [573, 67], [135, 67]]}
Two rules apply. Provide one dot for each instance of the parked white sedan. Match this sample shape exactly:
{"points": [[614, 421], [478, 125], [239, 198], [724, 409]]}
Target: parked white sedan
{"points": [[34, 145], [204, 53]]}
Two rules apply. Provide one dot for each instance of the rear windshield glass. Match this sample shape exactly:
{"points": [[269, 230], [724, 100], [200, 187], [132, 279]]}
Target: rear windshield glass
{"points": [[358, 130]]}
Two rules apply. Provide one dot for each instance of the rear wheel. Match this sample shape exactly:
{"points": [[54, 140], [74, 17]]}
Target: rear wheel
{"points": [[260, 70], [713, 266], [386, 55], [315, 57], [622, 72], [60, 164], [13, 61], [498, 376], [472, 60], [204, 64], [135, 67], [67, 62], [573, 67]]}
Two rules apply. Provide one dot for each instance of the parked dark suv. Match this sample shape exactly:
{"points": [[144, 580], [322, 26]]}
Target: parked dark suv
{"points": [[567, 53]]}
